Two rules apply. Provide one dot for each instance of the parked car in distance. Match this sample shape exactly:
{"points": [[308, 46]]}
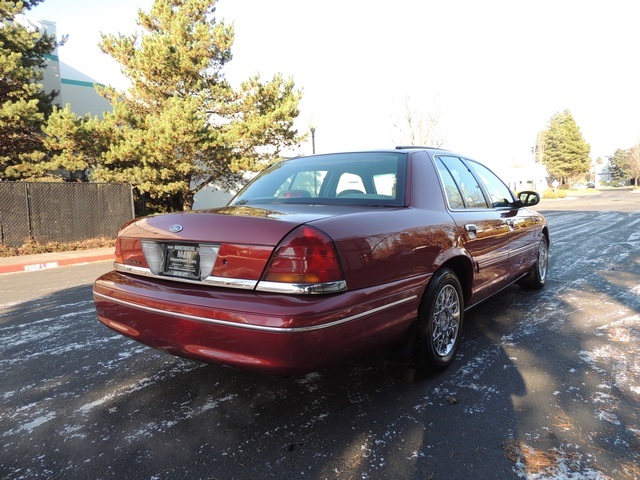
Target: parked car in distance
{"points": [[590, 185], [327, 257]]}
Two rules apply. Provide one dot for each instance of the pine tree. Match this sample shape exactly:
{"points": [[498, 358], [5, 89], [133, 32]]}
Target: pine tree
{"points": [[565, 152], [74, 145], [634, 163], [23, 104], [619, 165], [624, 165], [181, 123]]}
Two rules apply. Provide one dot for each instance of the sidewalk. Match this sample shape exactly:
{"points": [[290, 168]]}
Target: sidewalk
{"points": [[41, 261]]}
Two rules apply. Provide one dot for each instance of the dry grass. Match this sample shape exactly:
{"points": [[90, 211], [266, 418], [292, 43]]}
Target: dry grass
{"points": [[31, 246], [631, 470], [537, 461]]}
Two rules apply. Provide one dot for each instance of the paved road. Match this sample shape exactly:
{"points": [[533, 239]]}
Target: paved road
{"points": [[544, 380]]}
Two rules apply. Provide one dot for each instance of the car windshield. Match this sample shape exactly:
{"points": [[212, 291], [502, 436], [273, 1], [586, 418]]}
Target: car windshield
{"points": [[363, 178]]}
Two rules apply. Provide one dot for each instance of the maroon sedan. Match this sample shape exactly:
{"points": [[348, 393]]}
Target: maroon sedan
{"points": [[327, 257]]}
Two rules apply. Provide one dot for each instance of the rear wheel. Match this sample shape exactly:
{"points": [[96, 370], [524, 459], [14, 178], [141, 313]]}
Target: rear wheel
{"points": [[440, 322], [538, 276]]}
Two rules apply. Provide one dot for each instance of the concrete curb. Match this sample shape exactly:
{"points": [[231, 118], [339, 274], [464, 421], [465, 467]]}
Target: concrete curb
{"points": [[45, 261]]}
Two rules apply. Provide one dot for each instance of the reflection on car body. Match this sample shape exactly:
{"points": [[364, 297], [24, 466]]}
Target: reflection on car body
{"points": [[327, 257]]}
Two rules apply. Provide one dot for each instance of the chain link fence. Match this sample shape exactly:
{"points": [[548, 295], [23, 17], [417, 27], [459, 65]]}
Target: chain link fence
{"points": [[62, 212]]}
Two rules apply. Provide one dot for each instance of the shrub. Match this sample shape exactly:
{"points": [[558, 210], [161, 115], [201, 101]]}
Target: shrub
{"points": [[31, 246], [549, 193]]}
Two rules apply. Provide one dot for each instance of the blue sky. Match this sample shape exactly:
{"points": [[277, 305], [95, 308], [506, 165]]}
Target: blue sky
{"points": [[496, 70]]}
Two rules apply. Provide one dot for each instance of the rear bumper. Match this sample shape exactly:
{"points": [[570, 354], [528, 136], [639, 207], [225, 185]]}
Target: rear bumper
{"points": [[275, 333]]}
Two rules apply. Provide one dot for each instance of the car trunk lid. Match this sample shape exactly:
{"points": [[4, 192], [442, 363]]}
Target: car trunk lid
{"points": [[230, 244]]}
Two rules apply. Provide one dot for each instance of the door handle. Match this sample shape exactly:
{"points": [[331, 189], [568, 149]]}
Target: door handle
{"points": [[471, 228]]}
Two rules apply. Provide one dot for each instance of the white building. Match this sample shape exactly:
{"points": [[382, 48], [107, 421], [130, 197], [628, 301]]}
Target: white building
{"points": [[73, 87], [602, 174], [531, 176]]}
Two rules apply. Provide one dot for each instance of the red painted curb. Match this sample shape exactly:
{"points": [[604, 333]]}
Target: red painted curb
{"points": [[32, 267]]}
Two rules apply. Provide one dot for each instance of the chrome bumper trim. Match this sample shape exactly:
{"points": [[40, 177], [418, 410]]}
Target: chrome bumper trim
{"points": [[239, 283], [302, 288], [211, 281], [262, 328]]}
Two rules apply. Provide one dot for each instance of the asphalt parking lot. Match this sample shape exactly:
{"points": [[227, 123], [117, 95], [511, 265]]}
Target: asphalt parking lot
{"points": [[546, 385]]}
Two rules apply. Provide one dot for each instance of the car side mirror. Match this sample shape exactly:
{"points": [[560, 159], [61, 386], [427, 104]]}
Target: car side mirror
{"points": [[529, 198]]}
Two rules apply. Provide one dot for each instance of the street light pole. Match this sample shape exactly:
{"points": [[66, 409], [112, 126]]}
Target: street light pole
{"points": [[312, 127]]}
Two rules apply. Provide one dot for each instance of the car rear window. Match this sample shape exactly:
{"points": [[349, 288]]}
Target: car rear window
{"points": [[363, 178]]}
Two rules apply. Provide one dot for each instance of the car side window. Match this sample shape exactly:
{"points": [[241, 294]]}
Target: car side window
{"points": [[450, 188], [500, 194], [468, 188]]}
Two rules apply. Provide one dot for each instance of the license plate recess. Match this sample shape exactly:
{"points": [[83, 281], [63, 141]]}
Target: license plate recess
{"points": [[182, 260]]}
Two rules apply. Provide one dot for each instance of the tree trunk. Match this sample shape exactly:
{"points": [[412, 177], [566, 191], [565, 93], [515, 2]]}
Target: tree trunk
{"points": [[187, 200]]}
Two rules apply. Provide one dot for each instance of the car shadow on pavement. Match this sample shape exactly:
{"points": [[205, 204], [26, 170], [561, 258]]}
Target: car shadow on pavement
{"points": [[576, 345], [82, 398]]}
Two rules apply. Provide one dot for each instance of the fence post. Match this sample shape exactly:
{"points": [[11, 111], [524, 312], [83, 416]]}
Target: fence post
{"points": [[133, 205], [28, 200]]}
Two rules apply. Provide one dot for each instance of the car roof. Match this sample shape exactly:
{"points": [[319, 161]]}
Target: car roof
{"points": [[414, 147], [399, 148]]}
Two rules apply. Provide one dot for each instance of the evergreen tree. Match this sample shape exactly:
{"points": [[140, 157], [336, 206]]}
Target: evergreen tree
{"points": [[619, 165], [565, 152], [624, 165], [181, 123], [23, 104], [74, 145], [634, 163]]}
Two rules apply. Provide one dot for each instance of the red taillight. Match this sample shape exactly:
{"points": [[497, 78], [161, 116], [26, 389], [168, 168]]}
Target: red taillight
{"points": [[118, 253], [306, 255]]}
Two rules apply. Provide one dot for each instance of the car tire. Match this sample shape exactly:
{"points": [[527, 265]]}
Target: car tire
{"points": [[537, 277], [439, 322]]}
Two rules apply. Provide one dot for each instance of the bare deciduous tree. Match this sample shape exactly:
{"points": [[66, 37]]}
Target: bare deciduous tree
{"points": [[418, 126]]}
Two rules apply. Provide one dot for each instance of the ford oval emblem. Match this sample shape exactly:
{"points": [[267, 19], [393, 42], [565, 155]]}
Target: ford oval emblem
{"points": [[175, 228]]}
